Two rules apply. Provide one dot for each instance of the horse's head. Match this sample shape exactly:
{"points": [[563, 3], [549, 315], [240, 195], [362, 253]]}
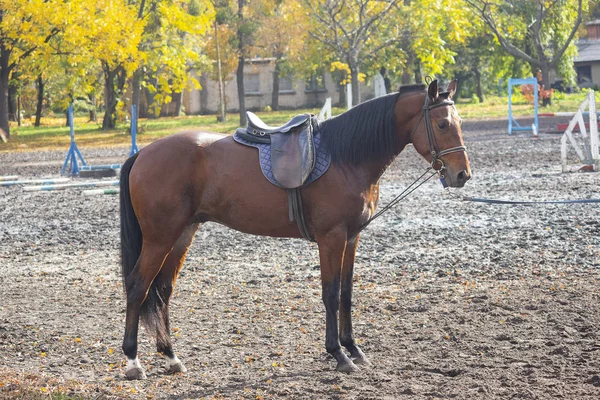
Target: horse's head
{"points": [[437, 136]]}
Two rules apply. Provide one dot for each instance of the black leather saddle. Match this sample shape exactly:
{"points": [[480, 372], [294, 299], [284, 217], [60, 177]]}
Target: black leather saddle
{"points": [[292, 146]]}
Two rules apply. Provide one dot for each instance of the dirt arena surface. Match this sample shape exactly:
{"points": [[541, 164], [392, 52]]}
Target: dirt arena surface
{"points": [[452, 299]]}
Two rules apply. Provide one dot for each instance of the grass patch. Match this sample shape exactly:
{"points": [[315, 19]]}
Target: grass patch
{"points": [[53, 135]]}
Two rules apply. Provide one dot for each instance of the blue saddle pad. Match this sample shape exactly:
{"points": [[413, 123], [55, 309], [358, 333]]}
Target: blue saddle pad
{"points": [[322, 162]]}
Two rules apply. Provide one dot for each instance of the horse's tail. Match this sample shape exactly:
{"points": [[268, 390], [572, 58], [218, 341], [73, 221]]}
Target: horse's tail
{"points": [[153, 309], [131, 234]]}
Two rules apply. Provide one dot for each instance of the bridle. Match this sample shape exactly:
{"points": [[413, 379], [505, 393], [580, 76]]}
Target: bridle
{"points": [[433, 146]]}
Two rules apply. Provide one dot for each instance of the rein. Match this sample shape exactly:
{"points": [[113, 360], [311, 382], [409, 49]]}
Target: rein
{"points": [[435, 159], [398, 198], [515, 202]]}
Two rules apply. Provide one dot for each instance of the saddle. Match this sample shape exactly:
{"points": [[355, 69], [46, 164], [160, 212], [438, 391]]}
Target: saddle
{"points": [[292, 147], [290, 156]]}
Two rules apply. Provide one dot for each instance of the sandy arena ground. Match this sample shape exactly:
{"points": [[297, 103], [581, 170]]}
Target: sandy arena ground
{"points": [[452, 299]]}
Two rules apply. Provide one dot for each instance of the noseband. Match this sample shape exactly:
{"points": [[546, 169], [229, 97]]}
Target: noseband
{"points": [[433, 147]]}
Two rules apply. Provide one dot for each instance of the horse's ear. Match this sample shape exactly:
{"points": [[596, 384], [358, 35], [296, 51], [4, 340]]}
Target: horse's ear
{"points": [[452, 88], [432, 91]]}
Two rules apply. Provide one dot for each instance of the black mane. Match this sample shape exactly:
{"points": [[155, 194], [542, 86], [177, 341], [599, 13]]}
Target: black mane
{"points": [[366, 132]]}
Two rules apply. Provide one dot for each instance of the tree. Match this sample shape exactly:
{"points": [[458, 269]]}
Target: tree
{"points": [[171, 46], [346, 26], [26, 27], [114, 42], [221, 48], [539, 32], [281, 35]]}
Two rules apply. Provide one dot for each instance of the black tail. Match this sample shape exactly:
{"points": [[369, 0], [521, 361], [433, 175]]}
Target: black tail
{"points": [[154, 308], [131, 234]]}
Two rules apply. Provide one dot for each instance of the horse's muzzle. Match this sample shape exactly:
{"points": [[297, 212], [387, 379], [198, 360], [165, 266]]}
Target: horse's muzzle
{"points": [[462, 177]]}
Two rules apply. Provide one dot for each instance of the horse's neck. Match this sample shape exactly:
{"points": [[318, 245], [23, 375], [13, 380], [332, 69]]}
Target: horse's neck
{"points": [[412, 104]]}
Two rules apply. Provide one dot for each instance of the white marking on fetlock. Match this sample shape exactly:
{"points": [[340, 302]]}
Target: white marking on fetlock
{"points": [[174, 365], [133, 364]]}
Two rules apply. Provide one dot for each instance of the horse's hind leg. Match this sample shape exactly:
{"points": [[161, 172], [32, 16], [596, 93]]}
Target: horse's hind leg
{"points": [[138, 284], [346, 335], [167, 278]]}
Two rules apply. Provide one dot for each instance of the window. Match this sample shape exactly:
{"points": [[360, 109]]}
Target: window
{"points": [[316, 82], [251, 83], [286, 84], [584, 76]]}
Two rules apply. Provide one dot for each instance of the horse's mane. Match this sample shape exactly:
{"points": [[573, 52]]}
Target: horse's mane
{"points": [[366, 132]]}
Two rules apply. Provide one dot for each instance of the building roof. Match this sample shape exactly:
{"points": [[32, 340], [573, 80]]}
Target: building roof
{"points": [[589, 50]]}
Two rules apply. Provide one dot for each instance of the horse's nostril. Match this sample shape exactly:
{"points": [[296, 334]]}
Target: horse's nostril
{"points": [[463, 176]]}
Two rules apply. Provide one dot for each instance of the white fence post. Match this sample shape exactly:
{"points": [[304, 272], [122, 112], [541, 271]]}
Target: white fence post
{"points": [[326, 110], [349, 96], [593, 128]]}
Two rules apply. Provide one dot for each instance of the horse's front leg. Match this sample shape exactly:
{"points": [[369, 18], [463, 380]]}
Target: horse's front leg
{"points": [[331, 253], [346, 336]]}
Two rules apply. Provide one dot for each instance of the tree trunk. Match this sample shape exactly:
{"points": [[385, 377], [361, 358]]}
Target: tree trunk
{"points": [[407, 75], [4, 81], [137, 75], [149, 101], [545, 83], [418, 74], [12, 102], [275, 94], [204, 94], [241, 91], [93, 111], [222, 107], [478, 86], [39, 83], [240, 68], [342, 98], [19, 110], [110, 97], [178, 98], [136, 83], [355, 84]]}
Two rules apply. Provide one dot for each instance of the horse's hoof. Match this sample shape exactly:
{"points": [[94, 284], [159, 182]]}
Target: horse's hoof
{"points": [[361, 360], [347, 367], [177, 367], [135, 374]]}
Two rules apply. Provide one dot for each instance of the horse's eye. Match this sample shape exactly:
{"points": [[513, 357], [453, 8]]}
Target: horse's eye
{"points": [[443, 124]]}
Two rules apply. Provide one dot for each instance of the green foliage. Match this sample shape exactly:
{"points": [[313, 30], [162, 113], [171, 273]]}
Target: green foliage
{"points": [[74, 45], [541, 33]]}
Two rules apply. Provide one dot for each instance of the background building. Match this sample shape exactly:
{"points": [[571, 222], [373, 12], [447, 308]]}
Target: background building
{"points": [[294, 92]]}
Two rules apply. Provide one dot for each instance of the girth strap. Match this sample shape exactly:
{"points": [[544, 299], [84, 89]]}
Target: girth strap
{"points": [[296, 212]]}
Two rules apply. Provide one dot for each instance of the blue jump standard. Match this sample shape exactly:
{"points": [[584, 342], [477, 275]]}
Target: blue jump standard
{"points": [[73, 153], [134, 120], [513, 125]]}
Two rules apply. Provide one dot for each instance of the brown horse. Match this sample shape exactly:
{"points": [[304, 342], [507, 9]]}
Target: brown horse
{"points": [[174, 184]]}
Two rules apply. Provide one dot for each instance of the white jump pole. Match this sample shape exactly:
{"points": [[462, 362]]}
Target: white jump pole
{"points": [[34, 182], [94, 192], [9, 178], [97, 167], [588, 153], [72, 185]]}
